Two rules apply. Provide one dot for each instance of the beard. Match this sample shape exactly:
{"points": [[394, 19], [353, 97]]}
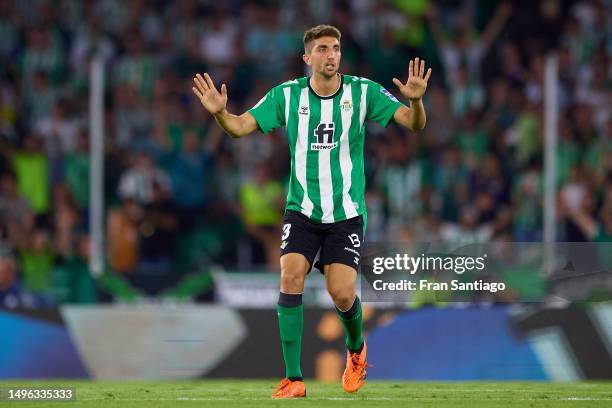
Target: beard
{"points": [[328, 74]]}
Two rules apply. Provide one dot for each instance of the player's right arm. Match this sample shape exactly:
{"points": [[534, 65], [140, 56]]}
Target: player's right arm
{"points": [[215, 102]]}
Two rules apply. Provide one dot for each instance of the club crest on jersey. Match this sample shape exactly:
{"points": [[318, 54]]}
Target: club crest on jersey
{"points": [[303, 110], [389, 95], [324, 136], [346, 105]]}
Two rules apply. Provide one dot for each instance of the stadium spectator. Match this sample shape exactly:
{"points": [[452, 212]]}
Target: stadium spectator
{"points": [[15, 214], [123, 237], [43, 52], [158, 228], [8, 111], [135, 67], [133, 119], [31, 167], [39, 96], [89, 41], [76, 171], [527, 195], [137, 181], [261, 199], [73, 282], [467, 230], [37, 258], [66, 221], [59, 130], [401, 178], [462, 45], [189, 166], [219, 40], [10, 288], [9, 27]]}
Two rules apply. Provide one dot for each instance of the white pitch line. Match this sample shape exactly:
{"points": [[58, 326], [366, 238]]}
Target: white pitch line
{"points": [[586, 399], [506, 390]]}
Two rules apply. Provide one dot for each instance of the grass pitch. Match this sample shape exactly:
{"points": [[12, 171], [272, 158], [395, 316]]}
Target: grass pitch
{"points": [[254, 394]]}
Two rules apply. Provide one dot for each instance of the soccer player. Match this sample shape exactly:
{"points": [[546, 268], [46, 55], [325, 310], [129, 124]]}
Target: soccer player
{"points": [[324, 115]]}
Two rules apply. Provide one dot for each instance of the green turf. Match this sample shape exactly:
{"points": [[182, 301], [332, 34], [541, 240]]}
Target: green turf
{"points": [[253, 394]]}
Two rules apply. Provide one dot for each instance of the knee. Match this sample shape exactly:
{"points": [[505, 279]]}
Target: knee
{"points": [[294, 268], [343, 297], [292, 281]]}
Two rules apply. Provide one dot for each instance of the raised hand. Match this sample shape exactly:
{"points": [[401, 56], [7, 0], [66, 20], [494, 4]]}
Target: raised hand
{"points": [[212, 100], [415, 86]]}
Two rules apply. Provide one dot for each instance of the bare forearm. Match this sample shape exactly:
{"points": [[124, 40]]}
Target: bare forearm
{"points": [[418, 116], [413, 118], [232, 124]]}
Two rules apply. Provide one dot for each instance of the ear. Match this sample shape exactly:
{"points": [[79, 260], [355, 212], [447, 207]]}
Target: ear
{"points": [[306, 59]]}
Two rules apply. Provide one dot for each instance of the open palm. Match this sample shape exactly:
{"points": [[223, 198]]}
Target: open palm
{"points": [[212, 100], [415, 86]]}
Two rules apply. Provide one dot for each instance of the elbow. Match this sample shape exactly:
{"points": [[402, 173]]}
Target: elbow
{"points": [[235, 133], [240, 133], [241, 130], [415, 127], [422, 122]]}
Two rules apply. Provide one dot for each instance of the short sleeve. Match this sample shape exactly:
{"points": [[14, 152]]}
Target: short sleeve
{"points": [[381, 104], [267, 112]]}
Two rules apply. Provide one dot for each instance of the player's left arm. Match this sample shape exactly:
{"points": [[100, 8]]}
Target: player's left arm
{"points": [[413, 117]]}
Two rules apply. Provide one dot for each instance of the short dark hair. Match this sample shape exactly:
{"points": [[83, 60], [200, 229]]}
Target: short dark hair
{"points": [[322, 30]]}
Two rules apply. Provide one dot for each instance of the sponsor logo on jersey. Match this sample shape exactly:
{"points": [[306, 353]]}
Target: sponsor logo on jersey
{"points": [[303, 110], [389, 95], [323, 146], [324, 135]]}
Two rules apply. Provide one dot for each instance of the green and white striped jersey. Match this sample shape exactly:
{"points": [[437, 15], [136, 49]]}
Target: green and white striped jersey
{"points": [[326, 139]]}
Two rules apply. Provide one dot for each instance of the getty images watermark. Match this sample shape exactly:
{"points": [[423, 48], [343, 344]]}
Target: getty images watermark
{"points": [[431, 272], [426, 263], [495, 271]]}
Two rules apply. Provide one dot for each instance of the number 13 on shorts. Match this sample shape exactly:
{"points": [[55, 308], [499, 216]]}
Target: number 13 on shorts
{"points": [[286, 231], [355, 240]]}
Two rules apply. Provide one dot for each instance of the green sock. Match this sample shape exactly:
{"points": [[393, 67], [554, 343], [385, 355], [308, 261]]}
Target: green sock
{"points": [[351, 320], [291, 324]]}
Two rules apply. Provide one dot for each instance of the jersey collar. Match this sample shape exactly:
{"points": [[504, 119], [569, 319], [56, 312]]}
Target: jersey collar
{"points": [[330, 96]]}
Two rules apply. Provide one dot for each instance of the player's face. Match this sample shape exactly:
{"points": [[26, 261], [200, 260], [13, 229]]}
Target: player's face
{"points": [[324, 57]]}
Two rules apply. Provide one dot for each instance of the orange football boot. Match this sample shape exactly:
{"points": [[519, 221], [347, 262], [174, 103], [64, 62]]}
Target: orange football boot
{"points": [[355, 372], [289, 389]]}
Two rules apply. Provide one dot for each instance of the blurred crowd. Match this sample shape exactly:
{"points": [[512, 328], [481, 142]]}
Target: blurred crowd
{"points": [[179, 193]]}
